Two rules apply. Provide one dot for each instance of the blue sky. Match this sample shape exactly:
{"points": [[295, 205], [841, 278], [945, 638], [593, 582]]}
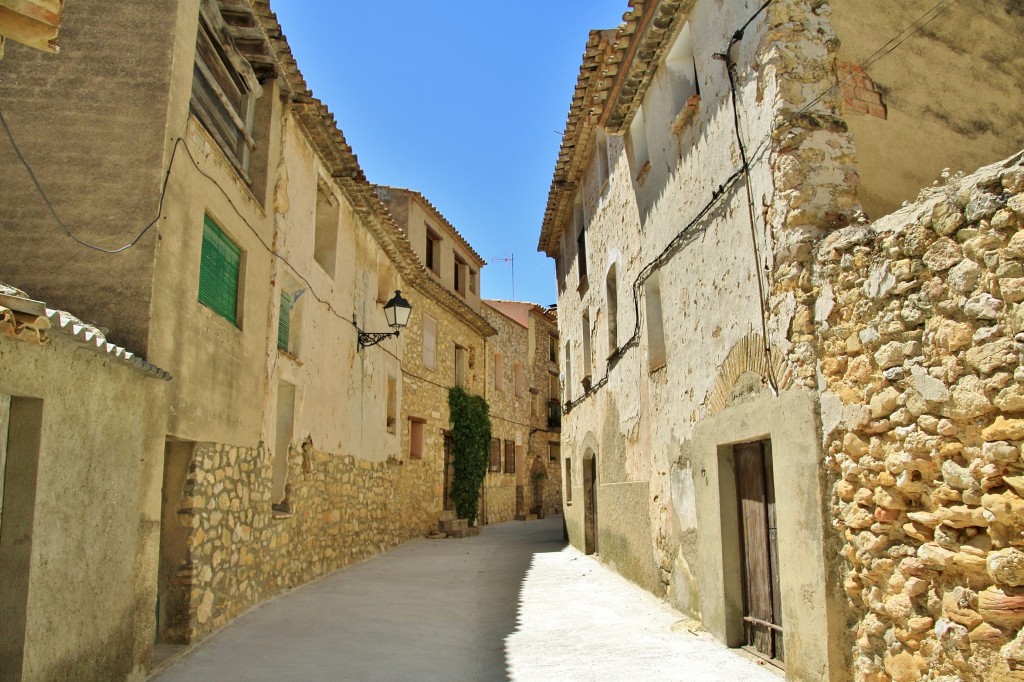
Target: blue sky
{"points": [[464, 101]]}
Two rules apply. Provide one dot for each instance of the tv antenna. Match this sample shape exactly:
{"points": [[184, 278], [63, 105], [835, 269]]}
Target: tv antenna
{"points": [[511, 260]]}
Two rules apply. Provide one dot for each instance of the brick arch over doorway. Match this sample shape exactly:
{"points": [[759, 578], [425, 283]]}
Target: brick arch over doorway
{"points": [[747, 369]]}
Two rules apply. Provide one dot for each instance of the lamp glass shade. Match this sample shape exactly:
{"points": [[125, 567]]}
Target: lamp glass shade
{"points": [[397, 311]]}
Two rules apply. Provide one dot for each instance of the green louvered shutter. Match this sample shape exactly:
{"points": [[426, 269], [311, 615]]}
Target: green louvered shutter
{"points": [[218, 272], [282, 320]]}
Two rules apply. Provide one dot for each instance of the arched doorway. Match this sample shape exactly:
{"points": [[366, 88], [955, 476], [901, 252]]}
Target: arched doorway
{"points": [[589, 502]]}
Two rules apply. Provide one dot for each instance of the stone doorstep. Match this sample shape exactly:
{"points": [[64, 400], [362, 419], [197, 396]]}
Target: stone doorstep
{"points": [[456, 524], [464, 532]]}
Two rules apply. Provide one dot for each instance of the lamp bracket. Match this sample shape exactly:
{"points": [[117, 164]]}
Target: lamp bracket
{"points": [[367, 339]]}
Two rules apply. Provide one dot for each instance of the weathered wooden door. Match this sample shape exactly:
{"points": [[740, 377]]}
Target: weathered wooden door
{"points": [[762, 606], [590, 504]]}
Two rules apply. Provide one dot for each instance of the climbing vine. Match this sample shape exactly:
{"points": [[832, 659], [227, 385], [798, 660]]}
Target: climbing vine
{"points": [[471, 439]]}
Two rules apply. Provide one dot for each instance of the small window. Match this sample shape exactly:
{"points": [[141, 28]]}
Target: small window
{"points": [[655, 328], [460, 367], [284, 316], [581, 240], [392, 404], [612, 299], [552, 348], [432, 255], [460, 274], [517, 372], [385, 279], [219, 267], [554, 452], [325, 248], [510, 457], [637, 146], [553, 387], [495, 462], [499, 372], [568, 373], [601, 154], [429, 342], [416, 437], [587, 370], [682, 71], [224, 89], [568, 479]]}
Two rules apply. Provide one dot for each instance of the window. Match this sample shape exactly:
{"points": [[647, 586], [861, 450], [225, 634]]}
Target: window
{"points": [[655, 330], [459, 275], [385, 277], [224, 89], [612, 298], [510, 457], [432, 255], [499, 372], [638, 146], [587, 373], [284, 316], [553, 386], [681, 67], [460, 366], [517, 373], [552, 348], [554, 452], [282, 442], [416, 437], [429, 342], [219, 268], [495, 463], [325, 247], [568, 373], [392, 404], [601, 154], [568, 479], [581, 240]]}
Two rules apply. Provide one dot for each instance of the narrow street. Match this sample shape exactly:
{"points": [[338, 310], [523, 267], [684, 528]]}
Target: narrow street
{"points": [[511, 604]]}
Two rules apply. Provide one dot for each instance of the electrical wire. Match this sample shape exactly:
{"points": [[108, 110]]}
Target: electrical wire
{"points": [[53, 212]]}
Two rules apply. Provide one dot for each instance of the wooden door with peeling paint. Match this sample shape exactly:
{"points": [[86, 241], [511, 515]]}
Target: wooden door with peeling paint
{"points": [[762, 607]]}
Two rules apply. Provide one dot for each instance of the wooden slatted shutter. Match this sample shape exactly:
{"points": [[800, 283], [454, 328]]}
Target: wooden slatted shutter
{"points": [[284, 320], [495, 464], [218, 272], [510, 457]]}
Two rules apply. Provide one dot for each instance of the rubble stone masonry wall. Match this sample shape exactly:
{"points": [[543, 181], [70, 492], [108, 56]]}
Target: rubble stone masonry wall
{"points": [[344, 510], [921, 328]]}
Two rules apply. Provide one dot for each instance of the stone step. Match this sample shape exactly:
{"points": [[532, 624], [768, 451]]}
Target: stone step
{"points": [[464, 532], [454, 524], [447, 515]]}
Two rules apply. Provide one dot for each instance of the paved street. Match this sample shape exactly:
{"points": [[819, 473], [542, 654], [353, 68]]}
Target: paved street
{"points": [[511, 604]]}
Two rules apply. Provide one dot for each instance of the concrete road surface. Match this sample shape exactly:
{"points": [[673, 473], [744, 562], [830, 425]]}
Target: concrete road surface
{"points": [[512, 604]]}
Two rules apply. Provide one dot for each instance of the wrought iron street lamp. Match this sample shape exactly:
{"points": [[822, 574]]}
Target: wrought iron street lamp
{"points": [[397, 312]]}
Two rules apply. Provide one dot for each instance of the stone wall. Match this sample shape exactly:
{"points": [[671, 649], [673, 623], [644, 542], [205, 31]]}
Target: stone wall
{"points": [[343, 510], [920, 326]]}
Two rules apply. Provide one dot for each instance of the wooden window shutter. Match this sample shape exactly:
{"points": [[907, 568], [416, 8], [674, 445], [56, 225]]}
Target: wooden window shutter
{"points": [[218, 272], [510, 457], [495, 464], [284, 320]]}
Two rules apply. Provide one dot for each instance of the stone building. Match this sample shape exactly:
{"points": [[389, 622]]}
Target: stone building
{"points": [[450, 333], [525, 404], [255, 253], [716, 171]]}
